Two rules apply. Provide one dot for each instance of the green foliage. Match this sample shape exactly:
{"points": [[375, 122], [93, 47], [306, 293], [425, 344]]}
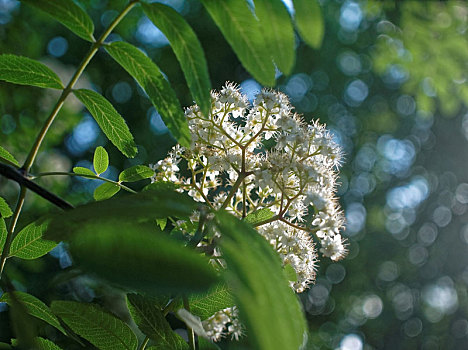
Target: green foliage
{"points": [[25, 71], [206, 304], [100, 160], [266, 302], [151, 321], [259, 216], [83, 171], [3, 233], [67, 13], [45, 344], [100, 328], [278, 32], [243, 32], [109, 120], [5, 155], [34, 307], [136, 173], [29, 244], [105, 191], [187, 49], [309, 21], [5, 211], [148, 75]]}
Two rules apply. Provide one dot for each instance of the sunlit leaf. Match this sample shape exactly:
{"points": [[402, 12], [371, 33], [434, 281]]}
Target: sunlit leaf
{"points": [[83, 171], [34, 307], [103, 330], [258, 216], [244, 33], [267, 304], [69, 14], [136, 173], [105, 191], [29, 244], [45, 344], [25, 71], [206, 304], [109, 120], [277, 31], [5, 211], [148, 75], [100, 160], [151, 321], [309, 21], [139, 257], [8, 156], [187, 49]]}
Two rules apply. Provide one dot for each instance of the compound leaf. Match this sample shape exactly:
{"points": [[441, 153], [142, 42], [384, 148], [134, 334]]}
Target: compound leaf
{"points": [[105, 191], [136, 173]]}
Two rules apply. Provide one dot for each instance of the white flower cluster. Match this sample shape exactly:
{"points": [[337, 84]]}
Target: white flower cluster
{"points": [[247, 158], [222, 323]]}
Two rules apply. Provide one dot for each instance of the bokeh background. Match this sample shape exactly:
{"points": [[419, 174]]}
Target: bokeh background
{"points": [[390, 81]]}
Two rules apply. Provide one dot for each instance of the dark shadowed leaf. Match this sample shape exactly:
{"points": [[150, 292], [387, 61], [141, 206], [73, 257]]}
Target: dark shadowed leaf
{"points": [[100, 328], [105, 191], [148, 75], [187, 49], [45, 344], [3, 233], [34, 307], [69, 14], [109, 120], [100, 160], [139, 257], [244, 33], [25, 71], [204, 344], [309, 21], [136, 173], [267, 304], [148, 205], [8, 156], [277, 31], [151, 321], [29, 244]]}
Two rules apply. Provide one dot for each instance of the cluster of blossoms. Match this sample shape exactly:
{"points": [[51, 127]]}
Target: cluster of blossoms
{"points": [[260, 157]]}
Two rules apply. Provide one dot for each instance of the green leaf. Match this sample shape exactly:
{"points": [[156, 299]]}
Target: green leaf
{"points": [[109, 120], [151, 321], [145, 206], [278, 32], [34, 307], [267, 304], [309, 21], [69, 14], [204, 344], [187, 49], [290, 273], [45, 344], [29, 244], [105, 191], [244, 33], [100, 160], [140, 66], [83, 171], [103, 330], [8, 156], [206, 304], [5, 211], [161, 223], [258, 216], [138, 257], [25, 71], [136, 173]]}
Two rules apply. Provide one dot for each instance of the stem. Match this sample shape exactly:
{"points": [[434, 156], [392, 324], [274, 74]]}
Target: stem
{"points": [[13, 222], [190, 332], [58, 173], [45, 128], [143, 345], [235, 187]]}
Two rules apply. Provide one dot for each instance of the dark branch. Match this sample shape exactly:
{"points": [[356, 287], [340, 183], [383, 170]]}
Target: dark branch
{"points": [[18, 176]]}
